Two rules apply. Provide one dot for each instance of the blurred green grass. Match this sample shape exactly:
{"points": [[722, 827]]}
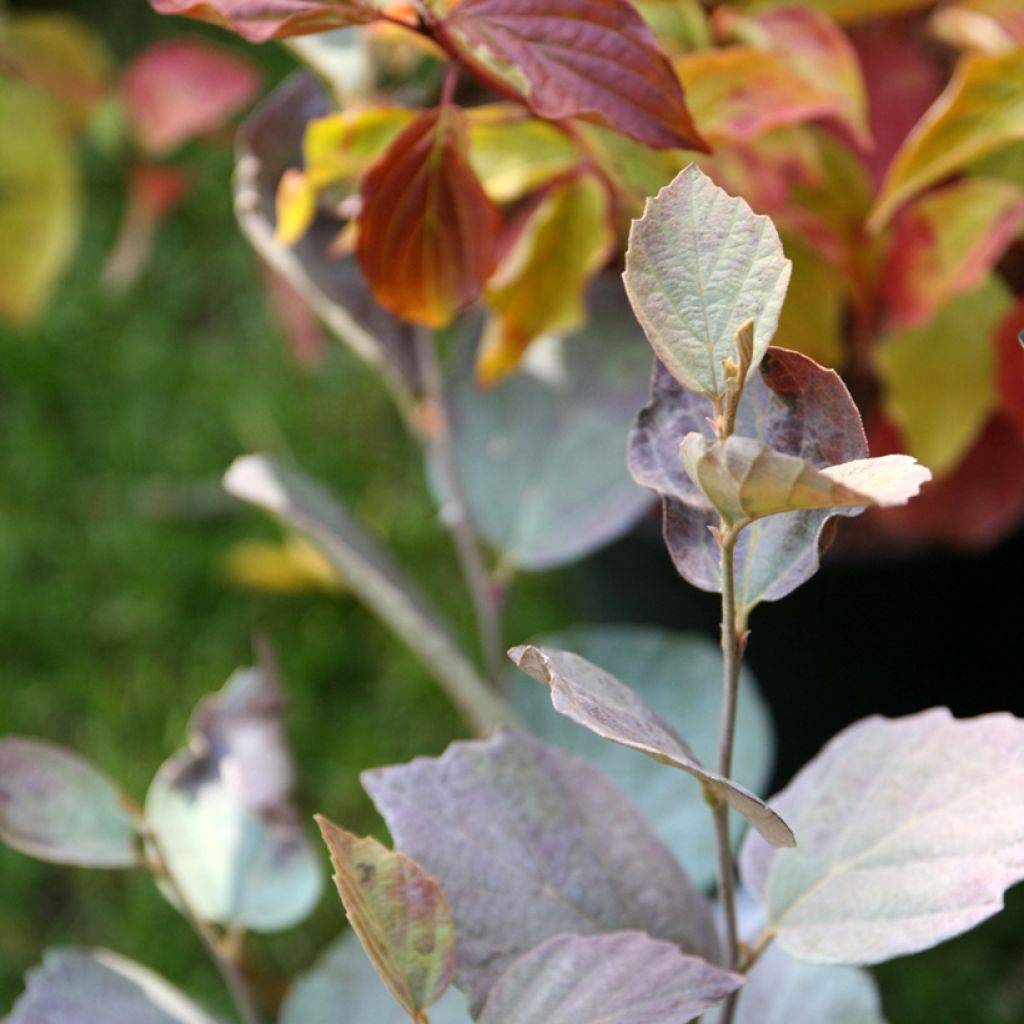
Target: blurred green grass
{"points": [[115, 614]]}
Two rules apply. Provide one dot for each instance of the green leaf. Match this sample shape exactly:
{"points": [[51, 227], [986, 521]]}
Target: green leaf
{"points": [[680, 676], [595, 699], [979, 112], [745, 479], [85, 986], [625, 978], [539, 455], [910, 831], [812, 320], [39, 200], [56, 806], [222, 815], [303, 505], [400, 914], [940, 379], [701, 263], [343, 976], [530, 843], [850, 10]]}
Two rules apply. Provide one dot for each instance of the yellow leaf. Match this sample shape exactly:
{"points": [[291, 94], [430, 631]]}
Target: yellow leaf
{"points": [[296, 206], [39, 200], [680, 25], [980, 111], [940, 379], [513, 154], [340, 148], [292, 567], [538, 287], [812, 316], [850, 10]]}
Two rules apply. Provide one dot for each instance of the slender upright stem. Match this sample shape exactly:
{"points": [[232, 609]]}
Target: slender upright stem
{"points": [[732, 654], [484, 593], [227, 967]]}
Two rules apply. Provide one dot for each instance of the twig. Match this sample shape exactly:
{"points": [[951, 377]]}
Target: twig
{"points": [[484, 593], [225, 965]]}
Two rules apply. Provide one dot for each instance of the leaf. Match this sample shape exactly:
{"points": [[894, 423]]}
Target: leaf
{"points": [[595, 699], [513, 154], [269, 144], [745, 479], [61, 55], [259, 20], [741, 92], [294, 567], [343, 976], [700, 263], [427, 231], [222, 814], [814, 48], [178, 89], [39, 201], [793, 405], [529, 843], [680, 676], [977, 505], [570, 58], [538, 286], [853, 10], [370, 574], [812, 319], [910, 830], [83, 986], [980, 111], [939, 379], [56, 806], [945, 243], [991, 26], [400, 914], [539, 455], [625, 978], [679, 25], [342, 147], [782, 990], [1010, 362]]}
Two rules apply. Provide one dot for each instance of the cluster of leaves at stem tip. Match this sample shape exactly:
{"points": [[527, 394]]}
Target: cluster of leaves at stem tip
{"points": [[525, 887]]}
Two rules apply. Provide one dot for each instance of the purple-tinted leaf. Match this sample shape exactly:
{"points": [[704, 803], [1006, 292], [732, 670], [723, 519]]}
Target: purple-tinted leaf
{"points": [[597, 700], [89, 986], [539, 455], [793, 405], [680, 676], [400, 914], [369, 572], [269, 143], [700, 264], [343, 976], [529, 843], [782, 990], [910, 831], [56, 806], [222, 814], [567, 58], [625, 978], [260, 20]]}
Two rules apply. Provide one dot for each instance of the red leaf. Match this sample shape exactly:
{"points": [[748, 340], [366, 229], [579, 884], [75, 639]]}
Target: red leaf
{"points": [[180, 88], [589, 58], [977, 505], [427, 231], [1010, 353], [260, 20]]}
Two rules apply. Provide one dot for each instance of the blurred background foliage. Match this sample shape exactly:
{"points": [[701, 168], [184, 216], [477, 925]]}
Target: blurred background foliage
{"points": [[119, 608]]}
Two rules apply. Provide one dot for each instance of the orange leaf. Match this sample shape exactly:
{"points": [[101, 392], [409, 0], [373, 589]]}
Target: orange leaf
{"points": [[427, 231]]}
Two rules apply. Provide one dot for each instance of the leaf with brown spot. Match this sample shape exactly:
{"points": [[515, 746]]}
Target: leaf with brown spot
{"points": [[400, 914], [427, 232]]}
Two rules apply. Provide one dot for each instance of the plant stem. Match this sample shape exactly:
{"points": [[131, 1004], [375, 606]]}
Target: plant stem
{"points": [[226, 966], [485, 595], [733, 633]]}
